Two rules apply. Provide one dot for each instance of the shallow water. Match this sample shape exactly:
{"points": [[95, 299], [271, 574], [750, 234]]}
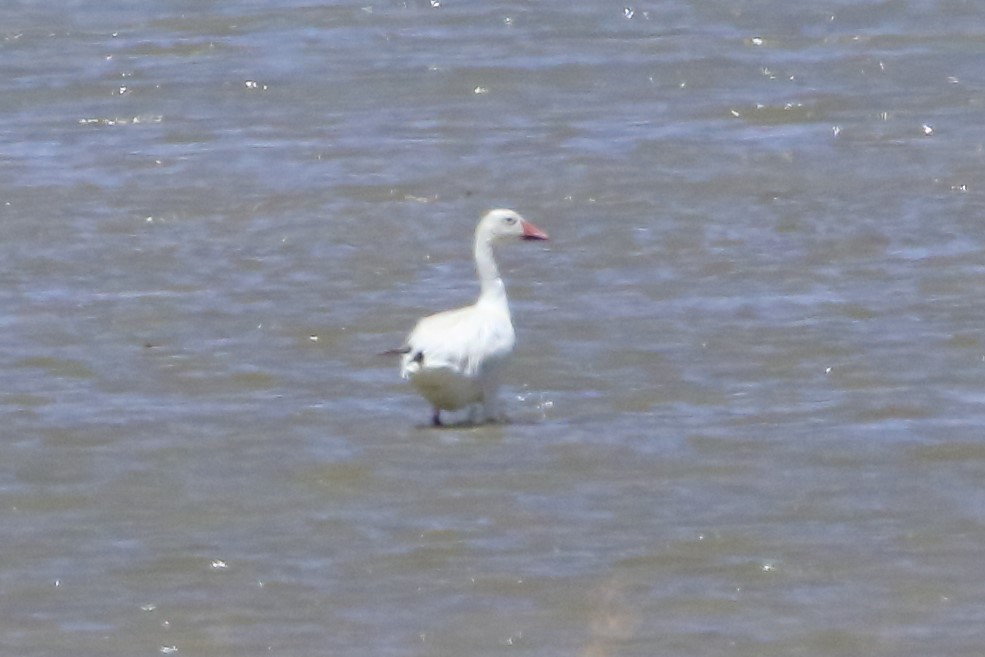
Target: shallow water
{"points": [[747, 397]]}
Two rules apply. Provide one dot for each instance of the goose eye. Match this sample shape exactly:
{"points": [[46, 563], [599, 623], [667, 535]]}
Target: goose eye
{"points": [[510, 220]]}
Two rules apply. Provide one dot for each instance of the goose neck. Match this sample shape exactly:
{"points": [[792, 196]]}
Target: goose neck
{"points": [[492, 287]]}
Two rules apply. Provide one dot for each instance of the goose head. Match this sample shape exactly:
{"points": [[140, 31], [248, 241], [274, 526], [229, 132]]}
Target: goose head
{"points": [[503, 224]]}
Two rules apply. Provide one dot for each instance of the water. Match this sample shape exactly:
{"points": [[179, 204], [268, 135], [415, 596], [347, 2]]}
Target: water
{"points": [[747, 398]]}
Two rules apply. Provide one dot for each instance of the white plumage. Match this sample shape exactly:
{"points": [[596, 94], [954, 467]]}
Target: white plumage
{"points": [[454, 358]]}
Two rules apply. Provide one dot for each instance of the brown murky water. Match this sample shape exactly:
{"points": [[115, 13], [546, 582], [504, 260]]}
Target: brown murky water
{"points": [[748, 391]]}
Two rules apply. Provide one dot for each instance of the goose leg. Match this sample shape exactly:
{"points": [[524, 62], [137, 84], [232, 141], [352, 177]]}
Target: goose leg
{"points": [[436, 418], [491, 409], [472, 414]]}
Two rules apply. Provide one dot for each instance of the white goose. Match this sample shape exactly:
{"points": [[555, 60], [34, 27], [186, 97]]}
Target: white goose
{"points": [[454, 358]]}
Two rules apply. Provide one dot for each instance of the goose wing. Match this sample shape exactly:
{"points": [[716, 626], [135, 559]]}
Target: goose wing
{"points": [[464, 340]]}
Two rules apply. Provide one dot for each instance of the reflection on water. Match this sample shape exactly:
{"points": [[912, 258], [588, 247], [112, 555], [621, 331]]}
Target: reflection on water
{"points": [[746, 397]]}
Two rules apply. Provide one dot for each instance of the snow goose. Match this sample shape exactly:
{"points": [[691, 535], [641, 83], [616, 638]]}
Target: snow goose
{"points": [[454, 358]]}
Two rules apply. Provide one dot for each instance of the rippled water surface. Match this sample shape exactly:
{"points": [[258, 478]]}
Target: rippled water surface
{"points": [[747, 400]]}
